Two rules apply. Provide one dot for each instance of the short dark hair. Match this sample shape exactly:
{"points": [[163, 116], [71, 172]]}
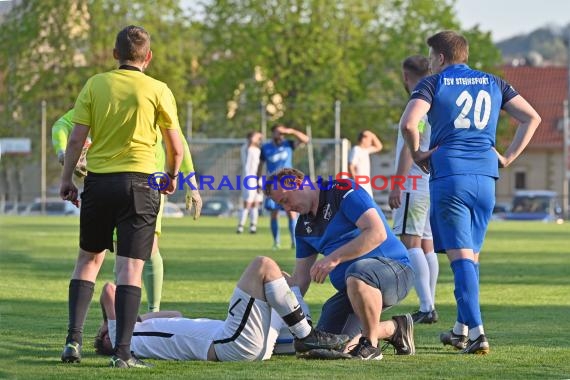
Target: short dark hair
{"points": [[274, 178], [132, 44], [360, 136], [417, 65], [452, 45], [275, 126]]}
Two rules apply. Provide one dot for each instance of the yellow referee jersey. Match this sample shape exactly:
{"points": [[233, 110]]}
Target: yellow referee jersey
{"points": [[123, 109]]}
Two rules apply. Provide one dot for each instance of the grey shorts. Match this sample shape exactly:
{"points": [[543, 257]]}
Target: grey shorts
{"points": [[392, 278]]}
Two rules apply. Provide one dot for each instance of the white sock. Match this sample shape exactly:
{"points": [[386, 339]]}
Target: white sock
{"points": [[242, 216], [272, 335], [253, 215], [421, 278], [297, 291], [433, 265], [280, 297], [475, 332], [460, 329]]}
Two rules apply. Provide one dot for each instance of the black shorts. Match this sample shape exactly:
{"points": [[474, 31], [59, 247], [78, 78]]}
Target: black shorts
{"points": [[123, 201]]}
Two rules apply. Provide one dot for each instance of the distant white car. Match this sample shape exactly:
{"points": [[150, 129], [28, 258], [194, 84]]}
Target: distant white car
{"points": [[171, 210], [53, 206], [218, 207]]}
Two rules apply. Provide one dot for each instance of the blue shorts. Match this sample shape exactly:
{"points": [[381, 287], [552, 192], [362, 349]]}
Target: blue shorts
{"points": [[461, 206], [271, 205], [391, 277]]}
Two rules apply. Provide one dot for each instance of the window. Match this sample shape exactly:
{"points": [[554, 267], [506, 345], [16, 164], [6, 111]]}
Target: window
{"points": [[520, 180]]}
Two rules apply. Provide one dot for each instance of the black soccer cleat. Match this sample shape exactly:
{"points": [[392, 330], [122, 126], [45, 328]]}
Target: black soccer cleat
{"points": [[132, 362], [434, 316], [479, 346], [364, 350], [71, 353], [427, 317], [403, 338], [449, 338], [320, 339]]}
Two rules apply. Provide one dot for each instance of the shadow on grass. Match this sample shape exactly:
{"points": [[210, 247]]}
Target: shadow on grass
{"points": [[226, 264]]}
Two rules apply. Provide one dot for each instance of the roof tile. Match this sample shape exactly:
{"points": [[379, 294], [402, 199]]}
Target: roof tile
{"points": [[545, 88]]}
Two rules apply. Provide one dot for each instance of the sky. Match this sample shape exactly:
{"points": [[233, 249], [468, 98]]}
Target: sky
{"points": [[508, 18]]}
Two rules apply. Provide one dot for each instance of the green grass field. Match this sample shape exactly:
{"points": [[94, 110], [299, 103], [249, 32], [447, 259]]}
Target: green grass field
{"points": [[525, 298]]}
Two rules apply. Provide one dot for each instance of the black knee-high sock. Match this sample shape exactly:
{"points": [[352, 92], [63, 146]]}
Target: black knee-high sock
{"points": [[127, 302], [80, 294]]}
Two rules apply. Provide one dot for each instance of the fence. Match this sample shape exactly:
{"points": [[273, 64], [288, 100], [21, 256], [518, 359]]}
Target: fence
{"points": [[220, 158]]}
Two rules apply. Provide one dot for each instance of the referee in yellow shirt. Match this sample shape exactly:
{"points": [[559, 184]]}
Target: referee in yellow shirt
{"points": [[121, 110]]}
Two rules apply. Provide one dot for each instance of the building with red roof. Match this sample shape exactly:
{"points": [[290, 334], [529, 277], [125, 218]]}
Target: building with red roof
{"points": [[541, 166]]}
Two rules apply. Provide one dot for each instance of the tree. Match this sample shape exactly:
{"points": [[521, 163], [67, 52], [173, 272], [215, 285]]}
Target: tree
{"points": [[51, 47], [298, 57]]}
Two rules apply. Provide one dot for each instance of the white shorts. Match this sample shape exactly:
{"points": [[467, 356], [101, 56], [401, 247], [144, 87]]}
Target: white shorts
{"points": [[412, 217], [249, 191], [245, 335], [251, 195]]}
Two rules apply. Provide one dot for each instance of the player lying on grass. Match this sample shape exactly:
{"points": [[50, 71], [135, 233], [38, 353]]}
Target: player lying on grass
{"points": [[248, 332]]}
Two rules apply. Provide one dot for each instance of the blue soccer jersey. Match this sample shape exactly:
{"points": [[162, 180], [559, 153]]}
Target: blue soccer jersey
{"points": [[465, 107], [277, 156], [335, 225]]}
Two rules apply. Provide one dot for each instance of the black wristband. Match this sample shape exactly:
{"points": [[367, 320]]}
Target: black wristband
{"points": [[172, 176]]}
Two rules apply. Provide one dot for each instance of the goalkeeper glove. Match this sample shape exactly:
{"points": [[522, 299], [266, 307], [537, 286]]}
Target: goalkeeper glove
{"points": [[193, 198]]}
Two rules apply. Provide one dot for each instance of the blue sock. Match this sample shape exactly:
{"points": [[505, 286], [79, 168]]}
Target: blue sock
{"points": [[459, 301], [477, 270], [467, 288], [275, 230]]}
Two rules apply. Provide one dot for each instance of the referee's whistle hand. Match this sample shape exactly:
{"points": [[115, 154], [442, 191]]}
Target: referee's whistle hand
{"points": [[170, 188]]}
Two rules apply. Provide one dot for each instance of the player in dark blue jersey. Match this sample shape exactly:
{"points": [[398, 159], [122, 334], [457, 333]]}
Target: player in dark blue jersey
{"points": [[278, 154], [365, 261], [463, 108]]}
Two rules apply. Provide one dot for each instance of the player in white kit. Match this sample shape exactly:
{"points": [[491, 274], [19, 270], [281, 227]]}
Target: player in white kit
{"points": [[411, 205], [250, 156], [359, 157], [248, 333]]}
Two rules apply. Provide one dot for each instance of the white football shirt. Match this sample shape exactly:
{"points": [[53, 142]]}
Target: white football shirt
{"points": [[422, 184], [360, 157]]}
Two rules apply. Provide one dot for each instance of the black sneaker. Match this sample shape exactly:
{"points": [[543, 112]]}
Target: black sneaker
{"points": [[427, 317], [459, 342], [434, 316], [403, 338], [364, 350], [479, 346], [320, 339], [71, 353], [132, 362]]}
